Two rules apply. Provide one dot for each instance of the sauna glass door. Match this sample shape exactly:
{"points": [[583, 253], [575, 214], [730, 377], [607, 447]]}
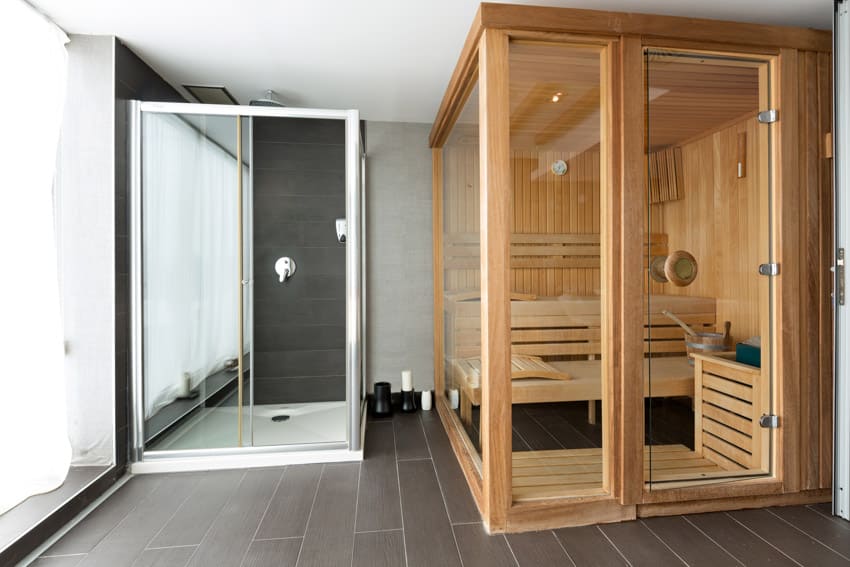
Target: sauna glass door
{"points": [[707, 338]]}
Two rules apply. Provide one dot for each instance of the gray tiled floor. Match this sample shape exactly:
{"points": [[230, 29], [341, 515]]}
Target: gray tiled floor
{"points": [[406, 504]]}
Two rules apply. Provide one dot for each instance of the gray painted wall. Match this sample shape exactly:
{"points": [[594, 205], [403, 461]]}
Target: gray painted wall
{"points": [[400, 291]]}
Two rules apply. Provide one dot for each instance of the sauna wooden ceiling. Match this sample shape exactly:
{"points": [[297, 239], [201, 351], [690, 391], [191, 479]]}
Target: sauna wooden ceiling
{"points": [[555, 97]]}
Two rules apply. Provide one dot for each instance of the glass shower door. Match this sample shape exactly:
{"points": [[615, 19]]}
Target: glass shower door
{"points": [[299, 280], [708, 323], [190, 200]]}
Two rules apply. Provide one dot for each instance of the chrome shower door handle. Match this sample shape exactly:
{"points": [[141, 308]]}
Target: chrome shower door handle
{"points": [[285, 268]]}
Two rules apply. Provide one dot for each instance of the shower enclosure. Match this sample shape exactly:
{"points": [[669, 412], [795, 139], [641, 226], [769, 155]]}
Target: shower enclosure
{"points": [[246, 267]]}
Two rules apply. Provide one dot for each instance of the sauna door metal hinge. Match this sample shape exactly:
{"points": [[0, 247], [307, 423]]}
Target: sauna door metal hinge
{"points": [[769, 421], [768, 116], [839, 275], [769, 269]]}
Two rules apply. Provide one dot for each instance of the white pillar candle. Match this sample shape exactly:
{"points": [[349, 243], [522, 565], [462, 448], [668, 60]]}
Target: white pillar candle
{"points": [[426, 400], [406, 380], [454, 398]]}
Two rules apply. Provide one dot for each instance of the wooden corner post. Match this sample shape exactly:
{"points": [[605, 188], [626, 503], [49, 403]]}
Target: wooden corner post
{"points": [[632, 129], [495, 279]]}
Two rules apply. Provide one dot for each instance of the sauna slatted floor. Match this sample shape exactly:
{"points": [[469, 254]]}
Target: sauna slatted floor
{"points": [[577, 472]]}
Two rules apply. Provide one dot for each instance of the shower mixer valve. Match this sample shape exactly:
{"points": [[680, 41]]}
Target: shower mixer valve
{"points": [[341, 229], [285, 268]]}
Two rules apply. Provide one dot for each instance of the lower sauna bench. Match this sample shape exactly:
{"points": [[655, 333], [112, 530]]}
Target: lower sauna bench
{"points": [[578, 472]]}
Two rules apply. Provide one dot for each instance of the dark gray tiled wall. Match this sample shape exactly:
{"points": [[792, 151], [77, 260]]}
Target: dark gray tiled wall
{"points": [[299, 326]]}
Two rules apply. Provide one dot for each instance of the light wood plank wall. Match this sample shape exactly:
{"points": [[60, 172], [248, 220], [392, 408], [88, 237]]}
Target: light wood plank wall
{"points": [[461, 207], [543, 203], [717, 221]]}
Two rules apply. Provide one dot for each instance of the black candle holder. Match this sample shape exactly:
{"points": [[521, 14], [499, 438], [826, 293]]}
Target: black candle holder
{"points": [[408, 401], [383, 400]]}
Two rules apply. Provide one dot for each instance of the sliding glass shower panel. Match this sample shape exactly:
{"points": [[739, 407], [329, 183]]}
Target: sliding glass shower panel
{"points": [[191, 287], [299, 280]]}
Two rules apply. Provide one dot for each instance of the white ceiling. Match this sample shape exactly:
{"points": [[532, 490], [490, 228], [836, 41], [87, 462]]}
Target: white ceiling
{"points": [[391, 59]]}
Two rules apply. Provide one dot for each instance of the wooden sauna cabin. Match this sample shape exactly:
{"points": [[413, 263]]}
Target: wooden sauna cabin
{"points": [[632, 241]]}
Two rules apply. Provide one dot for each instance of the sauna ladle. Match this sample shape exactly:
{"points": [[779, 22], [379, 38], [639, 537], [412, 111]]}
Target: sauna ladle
{"points": [[679, 322]]}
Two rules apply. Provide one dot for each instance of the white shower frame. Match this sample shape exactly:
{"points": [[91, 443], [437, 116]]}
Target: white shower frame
{"points": [[351, 449]]}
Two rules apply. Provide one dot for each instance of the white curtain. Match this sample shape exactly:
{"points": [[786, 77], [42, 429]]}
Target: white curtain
{"points": [[190, 256], [34, 442]]}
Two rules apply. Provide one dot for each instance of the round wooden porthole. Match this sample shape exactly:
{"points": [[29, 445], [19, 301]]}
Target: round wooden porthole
{"points": [[656, 269], [680, 268]]}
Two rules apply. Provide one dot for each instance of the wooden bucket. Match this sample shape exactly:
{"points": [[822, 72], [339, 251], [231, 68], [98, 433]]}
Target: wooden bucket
{"points": [[707, 343]]}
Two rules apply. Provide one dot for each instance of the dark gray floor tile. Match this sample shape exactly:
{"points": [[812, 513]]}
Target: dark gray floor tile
{"points": [[461, 506], [290, 506], [329, 539], [517, 442], [689, 543], [639, 545], [377, 500], [58, 561], [196, 514], [797, 545], [410, 437], [538, 549], [534, 435], [478, 549], [84, 536], [166, 557], [743, 545], [229, 536], [823, 507], [379, 549], [561, 429], [427, 531], [587, 546], [273, 553], [131, 536], [834, 533]]}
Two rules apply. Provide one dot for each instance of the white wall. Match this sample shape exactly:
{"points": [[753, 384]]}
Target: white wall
{"points": [[85, 199], [399, 284]]}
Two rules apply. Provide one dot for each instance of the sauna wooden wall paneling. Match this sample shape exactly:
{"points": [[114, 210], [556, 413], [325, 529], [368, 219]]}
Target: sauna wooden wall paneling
{"points": [[718, 222], [543, 203]]}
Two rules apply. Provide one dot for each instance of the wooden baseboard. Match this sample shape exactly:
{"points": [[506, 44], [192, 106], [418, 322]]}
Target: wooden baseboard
{"points": [[560, 513], [736, 503]]}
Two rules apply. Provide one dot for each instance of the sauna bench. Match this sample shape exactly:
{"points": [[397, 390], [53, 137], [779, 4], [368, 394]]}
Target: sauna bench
{"points": [[562, 337]]}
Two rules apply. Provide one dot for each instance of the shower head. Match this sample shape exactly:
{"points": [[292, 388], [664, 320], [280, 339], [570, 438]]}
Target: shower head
{"points": [[269, 100]]}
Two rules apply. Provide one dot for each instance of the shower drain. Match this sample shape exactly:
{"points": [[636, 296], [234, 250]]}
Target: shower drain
{"points": [[281, 417]]}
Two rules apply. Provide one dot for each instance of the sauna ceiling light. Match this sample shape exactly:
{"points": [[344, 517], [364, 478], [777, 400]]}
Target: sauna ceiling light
{"points": [[557, 96]]}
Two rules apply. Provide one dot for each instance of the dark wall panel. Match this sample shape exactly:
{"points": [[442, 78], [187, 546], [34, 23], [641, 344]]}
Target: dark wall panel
{"points": [[299, 326]]}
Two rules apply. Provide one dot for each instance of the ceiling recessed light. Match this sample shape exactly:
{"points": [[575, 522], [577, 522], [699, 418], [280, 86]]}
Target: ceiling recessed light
{"points": [[557, 96]]}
